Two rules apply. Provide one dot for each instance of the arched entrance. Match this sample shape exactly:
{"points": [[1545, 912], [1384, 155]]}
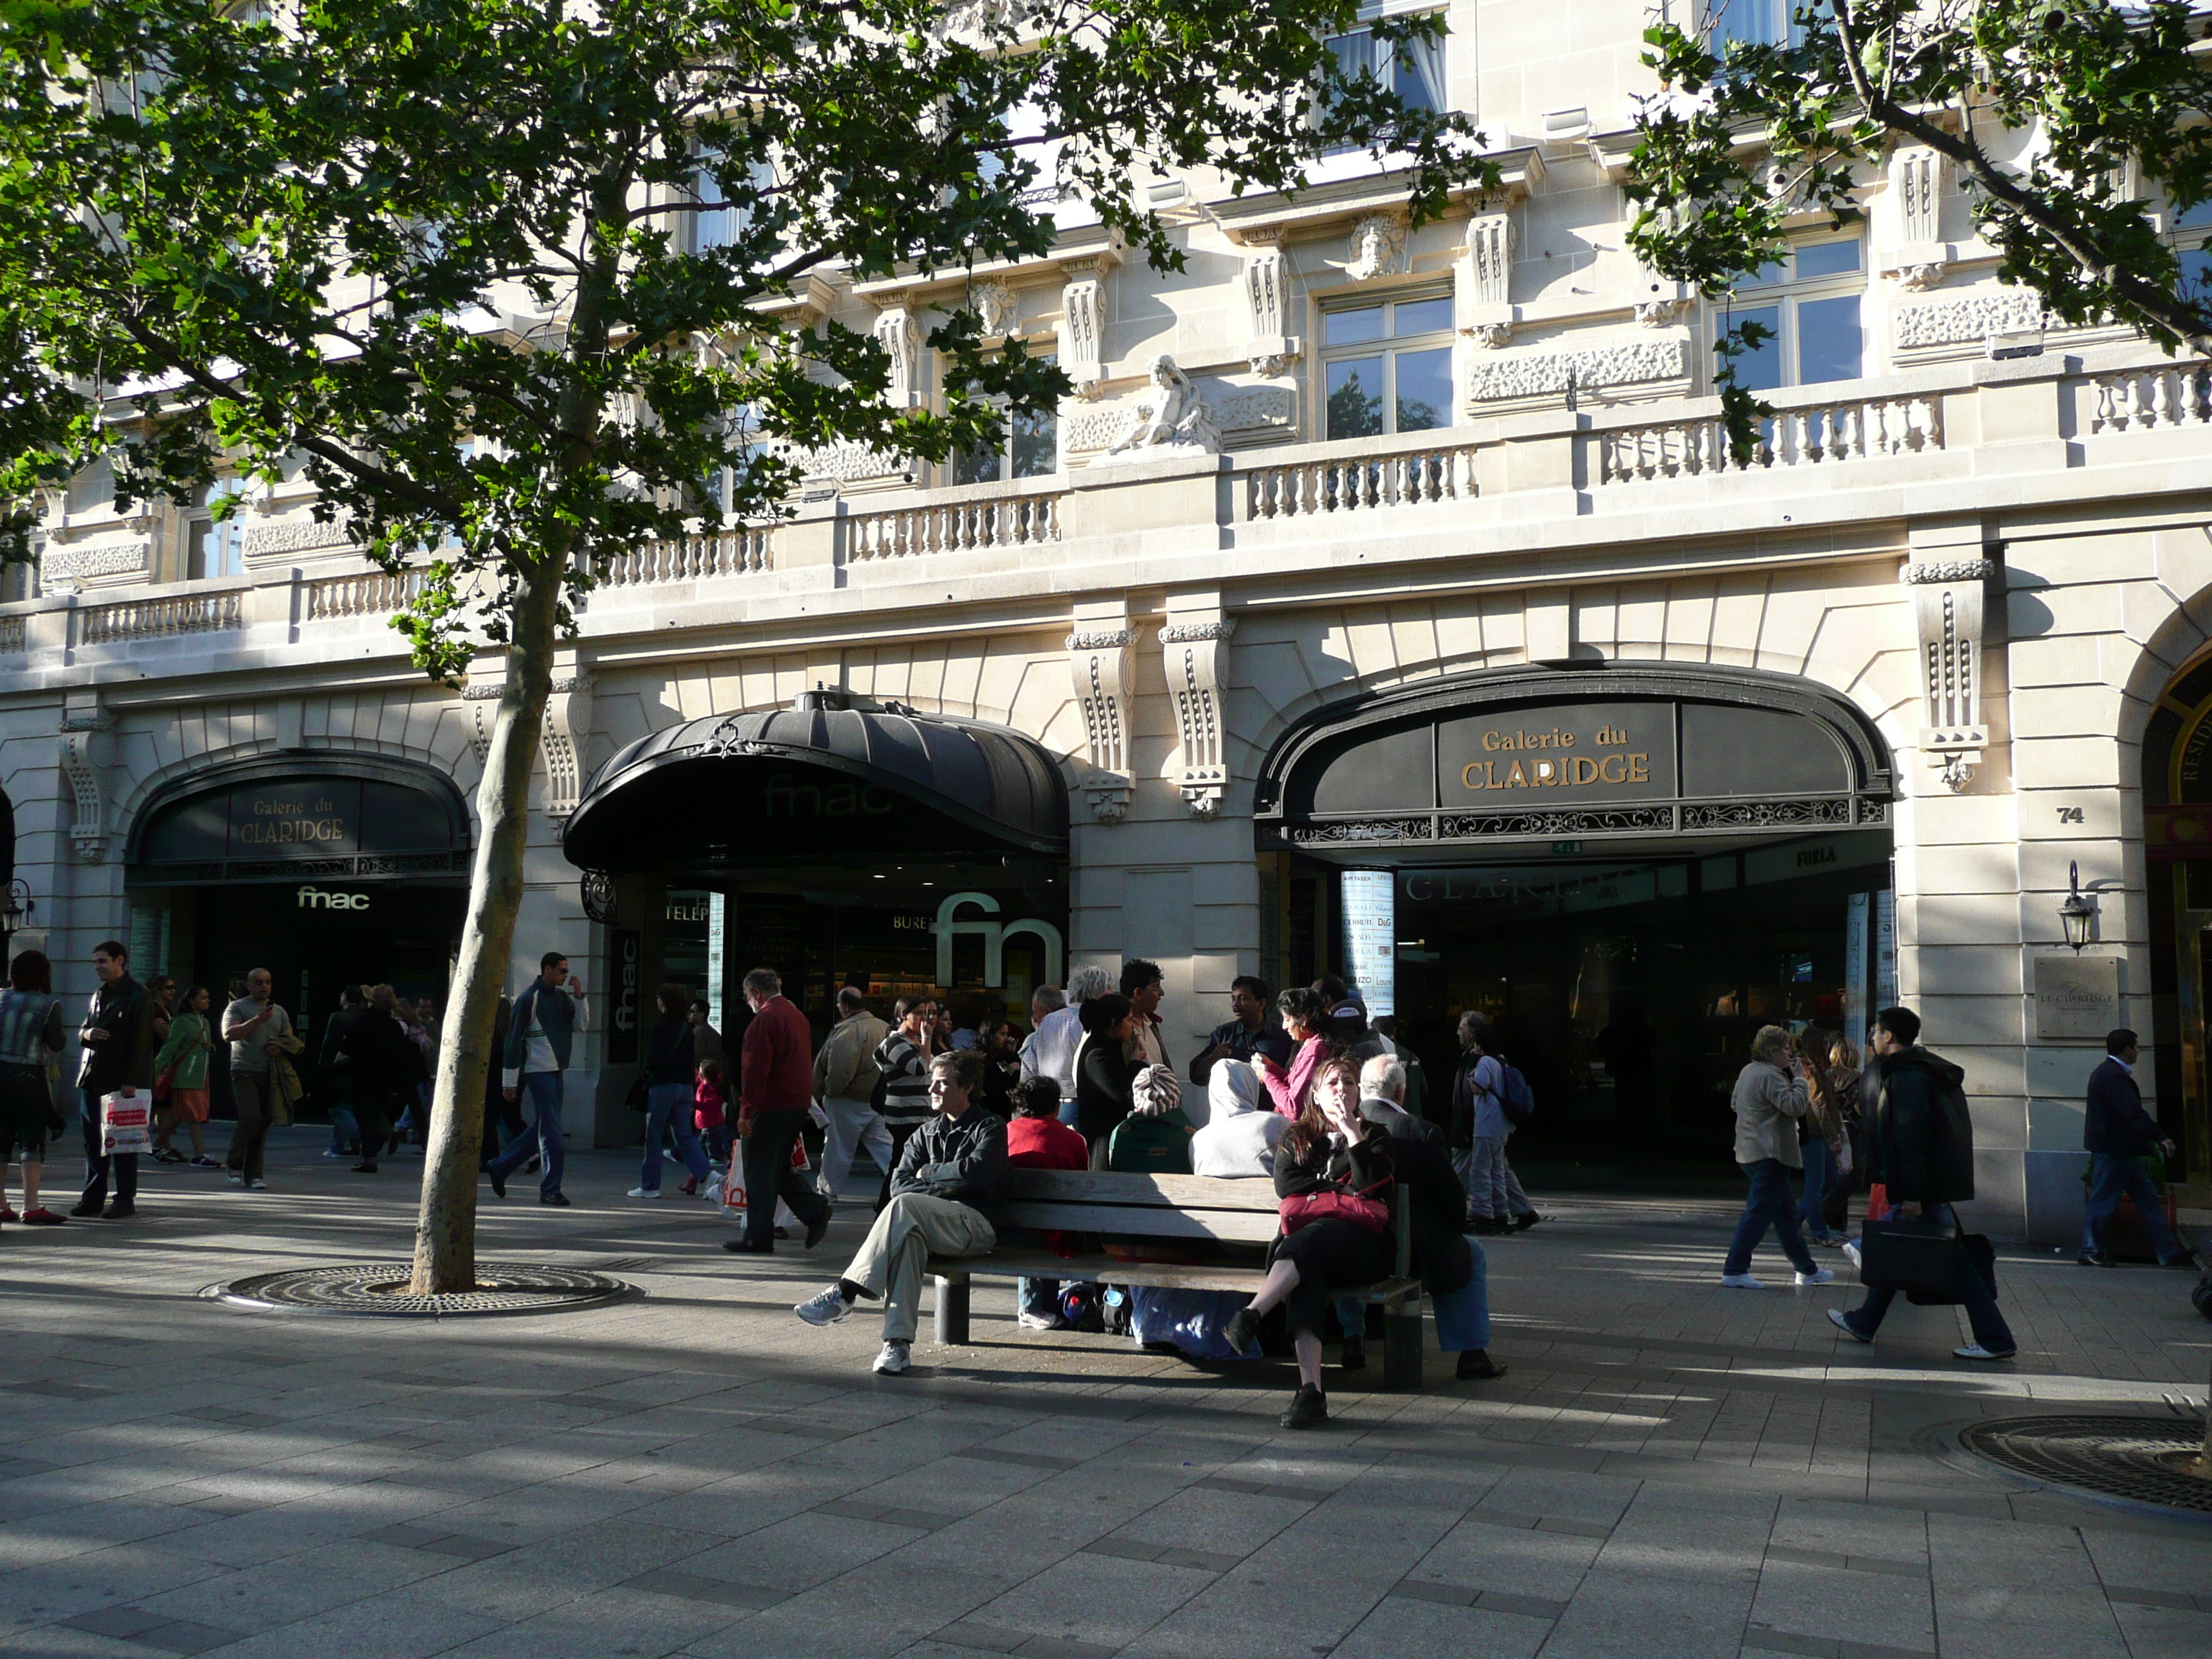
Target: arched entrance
{"points": [[842, 841], [2177, 780], [326, 868], [1629, 867]]}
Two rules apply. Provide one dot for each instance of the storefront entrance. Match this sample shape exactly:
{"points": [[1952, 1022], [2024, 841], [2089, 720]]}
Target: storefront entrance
{"points": [[1629, 871], [325, 869], [840, 842], [2178, 841]]}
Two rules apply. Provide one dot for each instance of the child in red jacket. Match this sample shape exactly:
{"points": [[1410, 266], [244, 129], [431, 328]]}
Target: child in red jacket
{"points": [[1037, 1139]]}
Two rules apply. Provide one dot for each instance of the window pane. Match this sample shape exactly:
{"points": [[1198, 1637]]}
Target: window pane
{"points": [[1828, 258], [2194, 218], [978, 466], [1036, 444], [1828, 339], [1748, 23], [1424, 390], [1419, 80], [2196, 285], [1355, 398], [195, 555], [1761, 277], [1760, 368], [1423, 316], [1354, 326]]}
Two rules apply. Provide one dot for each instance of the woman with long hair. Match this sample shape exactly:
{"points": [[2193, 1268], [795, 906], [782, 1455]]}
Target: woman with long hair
{"points": [[184, 1061], [1305, 1018], [1105, 1076], [1330, 1148]]}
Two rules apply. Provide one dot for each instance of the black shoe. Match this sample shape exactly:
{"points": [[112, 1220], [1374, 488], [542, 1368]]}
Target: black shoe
{"points": [[118, 1210], [2093, 1259], [1487, 1226], [783, 1233], [1354, 1357], [1525, 1220], [390, 1145], [498, 1183], [1310, 1410], [1240, 1331], [2189, 1261], [367, 1166], [89, 1209], [1475, 1365], [531, 1167], [746, 1246], [558, 1201], [816, 1230]]}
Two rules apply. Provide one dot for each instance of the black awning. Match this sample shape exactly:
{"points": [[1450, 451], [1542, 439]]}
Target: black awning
{"points": [[832, 778]]}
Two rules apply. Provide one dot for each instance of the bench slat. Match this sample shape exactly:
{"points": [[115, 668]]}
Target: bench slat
{"points": [[1163, 1275], [1242, 1226], [1180, 1191]]}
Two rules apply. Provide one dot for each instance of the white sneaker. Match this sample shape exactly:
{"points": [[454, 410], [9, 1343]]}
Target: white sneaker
{"points": [[1742, 1282], [1036, 1322], [236, 1179], [258, 1186], [1817, 1276], [642, 1192], [713, 1193], [828, 1308], [893, 1359], [1836, 1318], [1851, 1252], [1972, 1351]]}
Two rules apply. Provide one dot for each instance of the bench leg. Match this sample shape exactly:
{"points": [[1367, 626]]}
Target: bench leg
{"points": [[952, 1312], [1402, 1348]]}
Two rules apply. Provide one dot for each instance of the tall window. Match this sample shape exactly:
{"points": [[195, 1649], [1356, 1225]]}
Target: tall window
{"points": [[213, 546], [1414, 69], [2187, 231], [1027, 447], [1809, 305], [1751, 23], [1386, 366], [718, 223]]}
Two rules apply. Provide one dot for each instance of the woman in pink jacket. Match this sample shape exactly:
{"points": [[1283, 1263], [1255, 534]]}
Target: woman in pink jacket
{"points": [[1303, 1014]]}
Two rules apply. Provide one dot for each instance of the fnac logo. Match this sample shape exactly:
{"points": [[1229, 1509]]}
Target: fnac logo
{"points": [[317, 898]]}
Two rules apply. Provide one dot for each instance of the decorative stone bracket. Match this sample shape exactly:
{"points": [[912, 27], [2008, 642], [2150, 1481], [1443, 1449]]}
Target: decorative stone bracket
{"points": [[1191, 652], [1947, 609], [84, 723], [560, 739], [1272, 346], [1486, 272], [895, 331], [1918, 258], [1100, 661], [1083, 321]]}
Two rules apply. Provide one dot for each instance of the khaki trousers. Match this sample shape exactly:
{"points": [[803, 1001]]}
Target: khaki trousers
{"points": [[909, 1230]]}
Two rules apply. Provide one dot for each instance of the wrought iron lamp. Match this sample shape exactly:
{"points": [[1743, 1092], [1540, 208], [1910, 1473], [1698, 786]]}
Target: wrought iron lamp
{"points": [[2077, 911], [16, 905]]}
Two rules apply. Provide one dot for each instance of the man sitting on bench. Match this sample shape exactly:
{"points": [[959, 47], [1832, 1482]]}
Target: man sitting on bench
{"points": [[952, 1163]]}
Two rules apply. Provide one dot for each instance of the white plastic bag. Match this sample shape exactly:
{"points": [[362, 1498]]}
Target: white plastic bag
{"points": [[126, 1124]]}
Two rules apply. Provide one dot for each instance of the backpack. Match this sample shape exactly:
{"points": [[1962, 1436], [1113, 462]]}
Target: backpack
{"points": [[1517, 1100], [1151, 1146]]}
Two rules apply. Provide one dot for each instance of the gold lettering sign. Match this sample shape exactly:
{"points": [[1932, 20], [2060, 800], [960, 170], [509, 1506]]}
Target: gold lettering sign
{"points": [[1546, 773]]}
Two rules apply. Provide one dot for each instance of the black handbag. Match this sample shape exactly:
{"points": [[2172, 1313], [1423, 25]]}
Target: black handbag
{"points": [[1976, 1255], [1911, 1254]]}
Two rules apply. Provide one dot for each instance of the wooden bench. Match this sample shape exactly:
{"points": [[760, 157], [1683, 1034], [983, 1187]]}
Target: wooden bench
{"points": [[1173, 1209]]}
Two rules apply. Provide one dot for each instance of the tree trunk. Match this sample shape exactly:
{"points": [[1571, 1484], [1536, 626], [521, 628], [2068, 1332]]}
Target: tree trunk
{"points": [[446, 1230]]}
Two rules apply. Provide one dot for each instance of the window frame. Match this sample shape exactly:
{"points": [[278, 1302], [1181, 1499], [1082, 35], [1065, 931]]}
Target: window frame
{"points": [[1388, 345], [1785, 293], [1372, 13], [1050, 354], [204, 530]]}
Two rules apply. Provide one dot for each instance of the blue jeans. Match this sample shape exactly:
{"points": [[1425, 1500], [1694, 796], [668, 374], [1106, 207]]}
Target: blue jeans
{"points": [[1493, 1191], [669, 1104], [344, 1128], [1820, 1175], [1037, 1295], [1989, 1325], [543, 1089], [1462, 1315], [2112, 1174], [1769, 1206]]}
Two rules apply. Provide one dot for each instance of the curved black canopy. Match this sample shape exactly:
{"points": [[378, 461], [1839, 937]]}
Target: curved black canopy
{"points": [[833, 777]]}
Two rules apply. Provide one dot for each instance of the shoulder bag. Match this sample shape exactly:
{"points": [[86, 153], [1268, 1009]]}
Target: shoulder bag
{"points": [[1337, 1204]]}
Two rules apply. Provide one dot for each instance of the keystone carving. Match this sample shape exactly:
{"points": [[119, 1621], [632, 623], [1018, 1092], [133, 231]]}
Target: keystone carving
{"points": [[84, 725], [1192, 654], [1099, 661], [1947, 612]]}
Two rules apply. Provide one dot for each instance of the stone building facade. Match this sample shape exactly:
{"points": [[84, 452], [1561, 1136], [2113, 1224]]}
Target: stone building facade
{"points": [[1973, 559]]}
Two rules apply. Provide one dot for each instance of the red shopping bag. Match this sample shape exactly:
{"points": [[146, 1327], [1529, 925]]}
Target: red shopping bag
{"points": [[1877, 1202]]}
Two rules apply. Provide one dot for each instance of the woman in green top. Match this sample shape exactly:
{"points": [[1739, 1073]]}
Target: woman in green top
{"points": [[184, 1061]]}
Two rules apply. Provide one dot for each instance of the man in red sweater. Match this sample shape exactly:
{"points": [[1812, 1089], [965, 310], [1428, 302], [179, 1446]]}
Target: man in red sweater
{"points": [[776, 1087]]}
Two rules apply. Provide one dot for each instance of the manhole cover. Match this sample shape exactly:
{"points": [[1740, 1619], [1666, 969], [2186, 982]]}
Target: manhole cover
{"points": [[2138, 1458], [379, 1289]]}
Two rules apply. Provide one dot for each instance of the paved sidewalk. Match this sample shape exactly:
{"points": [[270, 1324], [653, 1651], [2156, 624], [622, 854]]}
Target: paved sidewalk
{"points": [[1671, 1469]]}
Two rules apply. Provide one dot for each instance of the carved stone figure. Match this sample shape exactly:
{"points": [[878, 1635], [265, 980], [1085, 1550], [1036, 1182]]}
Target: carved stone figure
{"points": [[1168, 417], [1377, 248], [995, 306]]}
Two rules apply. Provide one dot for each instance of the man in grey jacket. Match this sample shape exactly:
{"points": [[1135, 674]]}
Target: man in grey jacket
{"points": [[1770, 1097], [845, 1074], [951, 1163]]}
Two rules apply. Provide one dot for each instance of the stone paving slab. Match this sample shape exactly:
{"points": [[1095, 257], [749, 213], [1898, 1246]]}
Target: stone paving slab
{"points": [[1669, 1469]]}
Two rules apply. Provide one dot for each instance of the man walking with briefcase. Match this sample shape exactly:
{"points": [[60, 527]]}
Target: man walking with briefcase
{"points": [[1920, 1146]]}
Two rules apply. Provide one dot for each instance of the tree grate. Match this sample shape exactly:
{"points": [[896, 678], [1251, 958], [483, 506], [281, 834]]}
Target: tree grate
{"points": [[378, 1289], [2138, 1458]]}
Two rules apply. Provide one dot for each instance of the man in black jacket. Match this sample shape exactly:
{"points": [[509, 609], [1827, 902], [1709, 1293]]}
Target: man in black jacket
{"points": [[2118, 1135], [952, 1164], [1450, 1265], [118, 1034], [1921, 1147]]}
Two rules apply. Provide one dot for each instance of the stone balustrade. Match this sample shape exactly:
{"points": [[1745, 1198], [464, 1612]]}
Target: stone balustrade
{"points": [[163, 618], [1352, 477], [738, 551], [1806, 430], [2148, 399], [962, 522], [367, 593]]}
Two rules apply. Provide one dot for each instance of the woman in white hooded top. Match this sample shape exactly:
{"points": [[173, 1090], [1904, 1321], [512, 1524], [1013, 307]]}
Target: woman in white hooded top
{"points": [[1241, 1128]]}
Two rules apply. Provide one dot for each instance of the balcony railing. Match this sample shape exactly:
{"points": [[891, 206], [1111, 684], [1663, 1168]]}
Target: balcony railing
{"points": [[736, 551], [1439, 470], [162, 618], [2145, 399], [1021, 520], [13, 636], [370, 593], [1810, 434]]}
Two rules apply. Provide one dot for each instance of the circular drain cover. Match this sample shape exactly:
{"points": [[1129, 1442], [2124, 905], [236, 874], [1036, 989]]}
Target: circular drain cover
{"points": [[2138, 1458], [379, 1289]]}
